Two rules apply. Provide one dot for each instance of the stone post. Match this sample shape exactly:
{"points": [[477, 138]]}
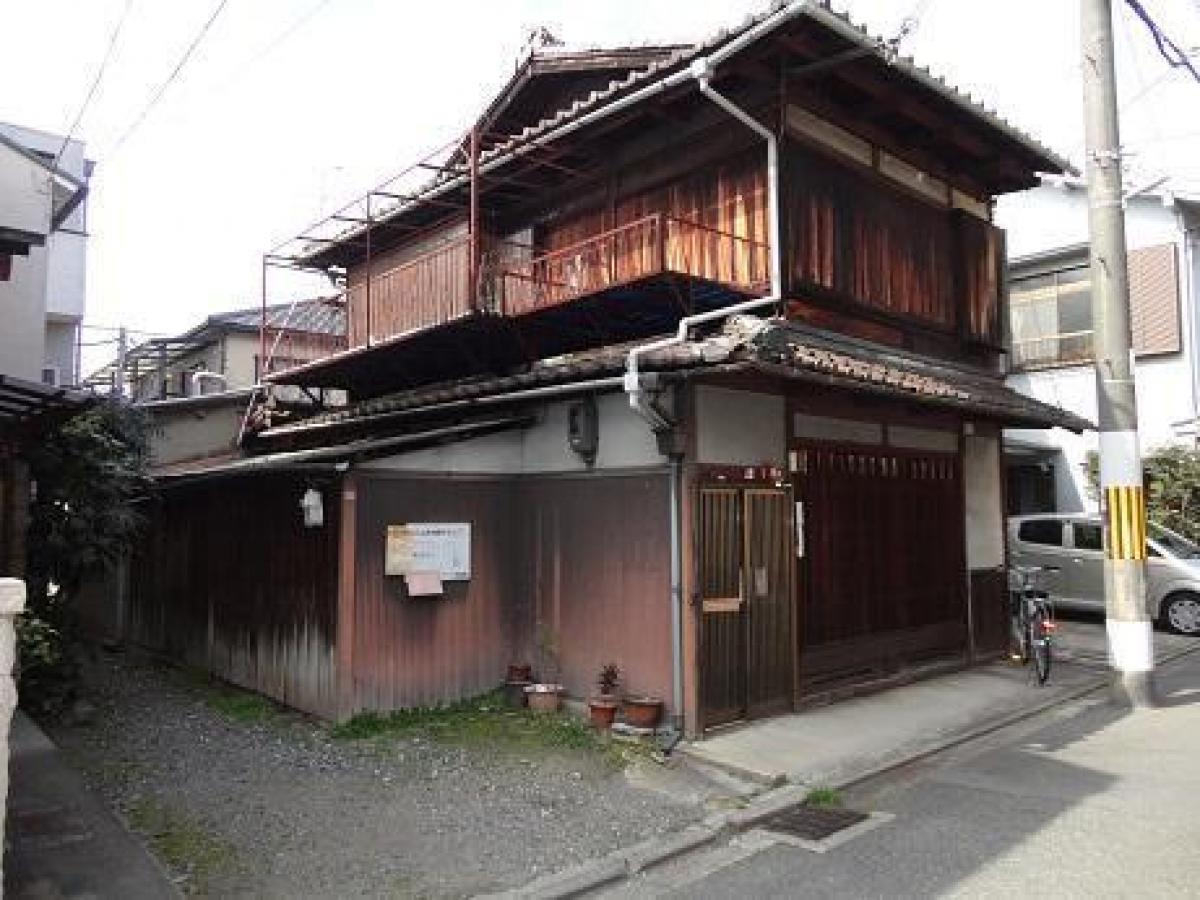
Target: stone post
{"points": [[12, 603]]}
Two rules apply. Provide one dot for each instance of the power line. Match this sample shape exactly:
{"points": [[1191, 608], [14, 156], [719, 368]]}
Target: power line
{"points": [[162, 88], [108, 54], [1175, 56]]}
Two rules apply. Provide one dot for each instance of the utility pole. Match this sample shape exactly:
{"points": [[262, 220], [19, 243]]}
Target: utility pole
{"points": [[122, 350], [1123, 502]]}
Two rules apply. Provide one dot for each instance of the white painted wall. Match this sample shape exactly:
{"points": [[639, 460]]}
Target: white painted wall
{"points": [[626, 442], [51, 280], [194, 429], [984, 509], [24, 193], [1052, 217], [740, 427], [23, 305]]}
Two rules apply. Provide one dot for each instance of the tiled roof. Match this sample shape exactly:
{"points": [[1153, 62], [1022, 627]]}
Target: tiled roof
{"points": [[778, 348], [820, 10], [679, 57], [317, 316]]}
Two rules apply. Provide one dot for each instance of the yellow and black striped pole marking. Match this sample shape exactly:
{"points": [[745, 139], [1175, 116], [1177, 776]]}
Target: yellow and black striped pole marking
{"points": [[1125, 506]]}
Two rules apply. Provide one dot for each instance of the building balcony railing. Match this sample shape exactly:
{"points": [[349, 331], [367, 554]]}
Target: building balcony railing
{"points": [[434, 288], [1067, 349], [644, 248]]}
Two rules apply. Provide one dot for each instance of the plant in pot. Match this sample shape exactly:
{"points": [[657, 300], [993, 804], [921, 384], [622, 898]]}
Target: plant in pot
{"points": [[602, 707], [642, 711], [546, 695], [520, 676]]}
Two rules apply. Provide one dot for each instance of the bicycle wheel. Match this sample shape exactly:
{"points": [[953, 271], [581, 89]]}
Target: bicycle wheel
{"points": [[1041, 647]]}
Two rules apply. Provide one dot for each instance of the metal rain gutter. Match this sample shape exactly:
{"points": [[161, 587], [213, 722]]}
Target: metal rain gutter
{"points": [[539, 393], [701, 70]]}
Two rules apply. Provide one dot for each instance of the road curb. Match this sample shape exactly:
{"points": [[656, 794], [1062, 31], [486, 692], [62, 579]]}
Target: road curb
{"points": [[638, 858]]}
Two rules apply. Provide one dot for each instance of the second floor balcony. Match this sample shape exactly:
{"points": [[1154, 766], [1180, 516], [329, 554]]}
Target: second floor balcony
{"points": [[635, 267]]}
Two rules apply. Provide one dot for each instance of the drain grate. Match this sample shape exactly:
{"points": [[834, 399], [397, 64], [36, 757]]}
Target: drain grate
{"points": [[813, 823]]}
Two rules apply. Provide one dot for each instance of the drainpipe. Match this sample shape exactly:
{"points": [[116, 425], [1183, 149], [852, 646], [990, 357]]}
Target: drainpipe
{"points": [[701, 70]]}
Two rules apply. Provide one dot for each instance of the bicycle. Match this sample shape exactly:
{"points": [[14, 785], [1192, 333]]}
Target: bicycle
{"points": [[1032, 617]]}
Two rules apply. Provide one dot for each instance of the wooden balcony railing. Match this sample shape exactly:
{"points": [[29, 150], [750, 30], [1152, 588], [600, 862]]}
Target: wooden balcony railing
{"points": [[429, 290], [652, 245], [434, 288]]}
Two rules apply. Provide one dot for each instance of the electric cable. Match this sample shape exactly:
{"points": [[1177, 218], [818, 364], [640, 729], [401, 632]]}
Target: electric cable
{"points": [[162, 88], [108, 55]]}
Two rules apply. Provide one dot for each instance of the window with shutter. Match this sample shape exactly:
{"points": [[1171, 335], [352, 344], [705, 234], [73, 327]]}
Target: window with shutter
{"points": [[1154, 299]]}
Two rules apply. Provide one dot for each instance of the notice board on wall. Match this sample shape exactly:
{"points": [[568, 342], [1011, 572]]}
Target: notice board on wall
{"points": [[441, 548]]}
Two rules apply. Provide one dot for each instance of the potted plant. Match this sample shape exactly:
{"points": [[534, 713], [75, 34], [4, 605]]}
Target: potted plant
{"points": [[546, 695], [642, 711], [520, 676], [602, 707]]}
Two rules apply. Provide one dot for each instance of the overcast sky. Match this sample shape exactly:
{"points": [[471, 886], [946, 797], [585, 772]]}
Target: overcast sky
{"points": [[290, 107]]}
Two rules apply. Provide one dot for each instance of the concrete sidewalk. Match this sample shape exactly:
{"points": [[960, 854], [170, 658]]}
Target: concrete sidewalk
{"points": [[62, 840], [848, 740]]}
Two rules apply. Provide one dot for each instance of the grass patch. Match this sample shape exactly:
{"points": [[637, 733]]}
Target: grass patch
{"points": [[182, 844], [242, 707], [823, 796], [486, 720]]}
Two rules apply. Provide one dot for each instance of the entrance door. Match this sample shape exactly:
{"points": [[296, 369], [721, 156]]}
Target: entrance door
{"points": [[745, 588]]}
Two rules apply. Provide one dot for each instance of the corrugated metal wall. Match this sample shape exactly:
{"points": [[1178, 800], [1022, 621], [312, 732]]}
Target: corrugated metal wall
{"points": [[584, 556], [597, 555], [426, 651], [227, 578]]}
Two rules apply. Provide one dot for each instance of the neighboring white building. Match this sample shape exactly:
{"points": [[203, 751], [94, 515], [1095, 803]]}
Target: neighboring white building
{"points": [[43, 244], [1050, 326]]}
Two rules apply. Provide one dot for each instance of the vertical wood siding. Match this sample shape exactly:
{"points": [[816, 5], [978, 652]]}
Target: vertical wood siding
{"points": [[860, 239], [227, 578], [419, 284], [711, 224], [881, 583]]}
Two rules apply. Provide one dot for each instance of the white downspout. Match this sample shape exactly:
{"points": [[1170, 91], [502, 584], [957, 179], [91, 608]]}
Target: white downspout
{"points": [[701, 69]]}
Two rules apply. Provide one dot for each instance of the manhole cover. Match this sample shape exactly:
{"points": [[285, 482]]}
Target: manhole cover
{"points": [[813, 823]]}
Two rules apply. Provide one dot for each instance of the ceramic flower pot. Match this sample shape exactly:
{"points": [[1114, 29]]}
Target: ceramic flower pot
{"points": [[602, 709], [643, 712], [544, 698]]}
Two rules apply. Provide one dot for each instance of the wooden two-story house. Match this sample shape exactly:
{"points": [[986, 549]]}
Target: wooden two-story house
{"points": [[690, 361]]}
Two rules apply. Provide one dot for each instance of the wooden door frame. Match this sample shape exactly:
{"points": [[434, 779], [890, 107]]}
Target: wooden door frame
{"points": [[743, 489]]}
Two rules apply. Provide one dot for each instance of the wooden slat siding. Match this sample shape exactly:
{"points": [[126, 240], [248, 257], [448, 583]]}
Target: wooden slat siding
{"points": [[989, 607], [722, 633], [710, 224], [1154, 299], [981, 259], [600, 575], [228, 579], [771, 646], [898, 577], [588, 556], [426, 291], [860, 239], [413, 285]]}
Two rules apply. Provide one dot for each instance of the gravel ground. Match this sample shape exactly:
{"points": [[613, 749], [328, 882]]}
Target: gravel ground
{"points": [[275, 806]]}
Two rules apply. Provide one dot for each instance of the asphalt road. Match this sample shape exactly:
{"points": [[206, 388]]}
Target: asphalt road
{"points": [[1087, 800]]}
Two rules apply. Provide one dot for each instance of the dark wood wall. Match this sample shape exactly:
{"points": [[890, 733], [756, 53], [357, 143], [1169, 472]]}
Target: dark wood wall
{"points": [[883, 582], [227, 578], [864, 246]]}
